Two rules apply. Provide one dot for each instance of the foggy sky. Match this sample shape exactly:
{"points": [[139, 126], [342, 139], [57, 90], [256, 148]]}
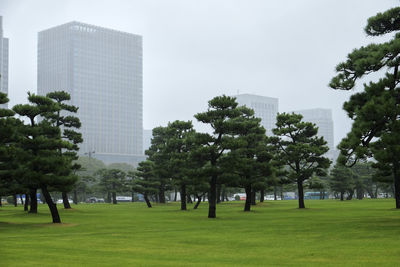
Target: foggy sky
{"points": [[195, 50]]}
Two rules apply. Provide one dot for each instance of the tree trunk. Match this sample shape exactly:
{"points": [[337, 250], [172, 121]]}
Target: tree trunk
{"points": [[360, 193], [26, 202], [212, 197], [15, 200], [247, 204], [114, 198], [189, 199], [262, 193], [1, 203], [161, 193], [176, 194], [198, 202], [22, 200], [33, 202], [301, 194], [218, 193], [75, 198], [282, 197], [133, 196], [146, 198], [65, 200], [350, 196], [341, 196], [253, 197], [321, 195], [275, 193], [370, 193], [108, 197], [223, 194], [396, 178], [183, 197], [52, 206]]}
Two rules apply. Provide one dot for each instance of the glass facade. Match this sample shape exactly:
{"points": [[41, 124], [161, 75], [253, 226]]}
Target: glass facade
{"points": [[102, 70]]}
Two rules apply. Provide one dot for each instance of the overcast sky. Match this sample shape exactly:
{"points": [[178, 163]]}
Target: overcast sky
{"points": [[195, 50]]}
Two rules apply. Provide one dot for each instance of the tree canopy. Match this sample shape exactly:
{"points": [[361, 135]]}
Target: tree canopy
{"points": [[376, 110], [300, 149]]}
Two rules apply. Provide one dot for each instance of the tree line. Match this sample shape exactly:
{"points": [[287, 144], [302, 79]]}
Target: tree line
{"points": [[236, 153], [39, 151]]}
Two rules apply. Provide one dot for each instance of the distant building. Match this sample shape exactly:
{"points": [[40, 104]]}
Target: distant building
{"points": [[102, 70], [147, 135], [265, 108], [3, 62], [322, 118]]}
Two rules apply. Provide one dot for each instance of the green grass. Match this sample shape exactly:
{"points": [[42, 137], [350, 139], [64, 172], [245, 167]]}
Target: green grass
{"points": [[275, 233]]}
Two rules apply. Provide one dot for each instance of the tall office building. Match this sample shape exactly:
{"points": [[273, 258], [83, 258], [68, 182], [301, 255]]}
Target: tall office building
{"points": [[102, 70], [3, 62], [265, 108]]}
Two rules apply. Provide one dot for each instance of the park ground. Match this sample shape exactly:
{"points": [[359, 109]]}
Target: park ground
{"points": [[275, 233]]}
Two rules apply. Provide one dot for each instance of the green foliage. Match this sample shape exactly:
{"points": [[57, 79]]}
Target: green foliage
{"points": [[222, 110], [144, 181], [158, 155], [341, 180], [111, 182], [300, 149], [376, 110], [121, 166], [9, 171], [45, 158], [249, 158], [179, 144]]}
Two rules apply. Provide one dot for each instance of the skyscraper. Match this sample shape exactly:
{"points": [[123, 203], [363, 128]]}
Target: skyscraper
{"points": [[102, 70], [265, 108], [3, 61]]}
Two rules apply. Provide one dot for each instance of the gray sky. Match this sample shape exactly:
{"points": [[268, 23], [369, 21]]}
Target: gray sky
{"points": [[195, 50]]}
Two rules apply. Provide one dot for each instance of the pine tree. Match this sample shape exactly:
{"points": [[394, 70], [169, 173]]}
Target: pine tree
{"points": [[144, 180], [157, 154], [221, 111], [9, 171], [300, 149], [376, 110], [250, 156], [341, 180], [178, 148], [67, 123], [41, 143], [112, 181]]}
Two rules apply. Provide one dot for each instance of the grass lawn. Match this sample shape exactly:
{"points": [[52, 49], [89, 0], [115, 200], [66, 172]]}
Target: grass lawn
{"points": [[327, 233]]}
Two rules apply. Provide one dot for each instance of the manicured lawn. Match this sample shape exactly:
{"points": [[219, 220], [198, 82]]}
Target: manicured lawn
{"points": [[275, 233]]}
